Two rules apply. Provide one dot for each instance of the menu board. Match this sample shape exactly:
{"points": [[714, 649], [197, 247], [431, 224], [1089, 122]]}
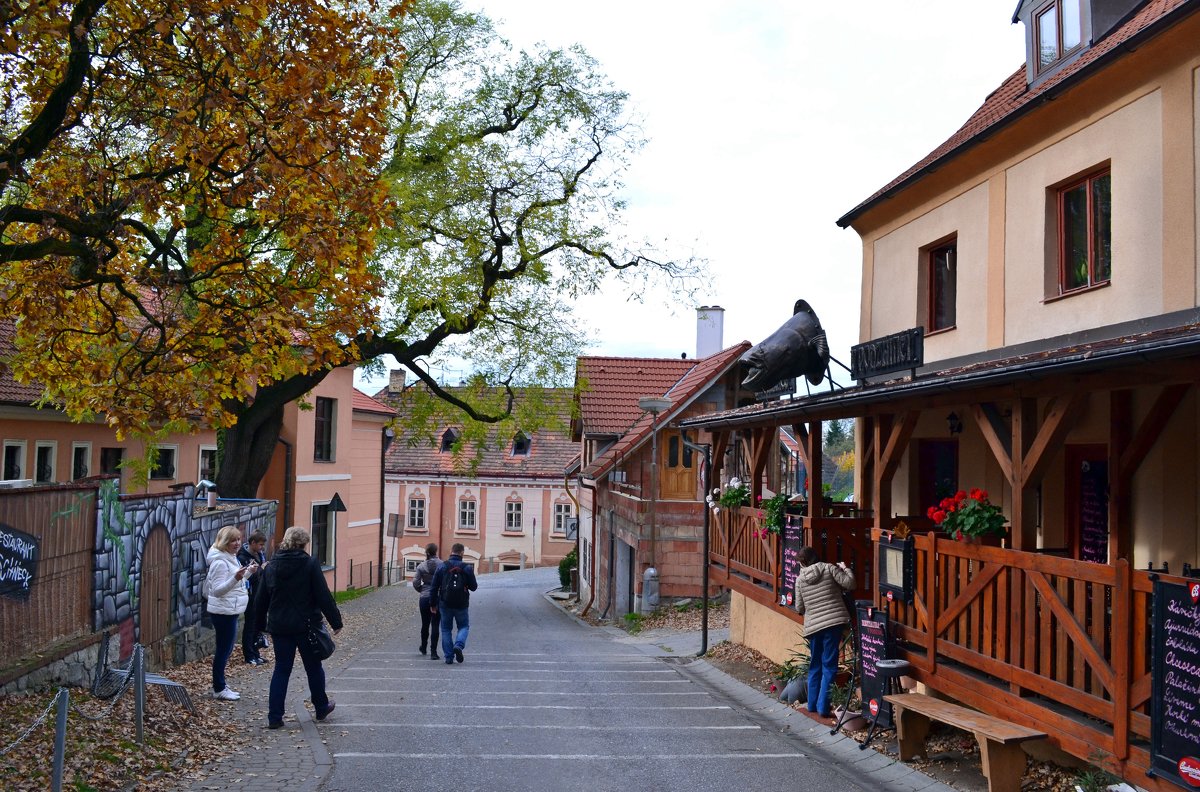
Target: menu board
{"points": [[1093, 512], [1175, 689], [791, 538], [871, 624], [18, 562]]}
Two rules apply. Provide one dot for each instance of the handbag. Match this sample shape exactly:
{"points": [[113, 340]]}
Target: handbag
{"points": [[319, 641]]}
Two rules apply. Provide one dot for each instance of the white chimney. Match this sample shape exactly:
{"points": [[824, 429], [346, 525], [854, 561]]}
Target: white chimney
{"points": [[710, 330]]}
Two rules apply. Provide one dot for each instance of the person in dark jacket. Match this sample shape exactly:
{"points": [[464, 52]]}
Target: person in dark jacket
{"points": [[252, 553], [292, 598], [451, 613], [423, 582]]}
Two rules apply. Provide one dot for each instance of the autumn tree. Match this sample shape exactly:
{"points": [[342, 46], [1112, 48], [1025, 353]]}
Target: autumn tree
{"points": [[259, 199], [186, 191]]}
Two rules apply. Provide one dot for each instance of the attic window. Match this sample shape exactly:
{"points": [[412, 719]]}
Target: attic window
{"points": [[1057, 32], [449, 438], [520, 446]]}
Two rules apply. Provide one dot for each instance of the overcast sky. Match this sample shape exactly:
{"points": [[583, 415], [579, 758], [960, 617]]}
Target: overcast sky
{"points": [[768, 120]]}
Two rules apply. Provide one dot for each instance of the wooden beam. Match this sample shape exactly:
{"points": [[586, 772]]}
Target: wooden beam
{"points": [[1152, 427], [801, 433], [997, 434], [761, 442], [897, 444], [815, 463], [1024, 498], [1060, 419]]}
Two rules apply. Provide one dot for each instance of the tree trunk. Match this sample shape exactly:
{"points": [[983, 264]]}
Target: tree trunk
{"points": [[248, 449]]}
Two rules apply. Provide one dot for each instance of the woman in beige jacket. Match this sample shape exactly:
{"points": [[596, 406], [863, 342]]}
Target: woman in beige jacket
{"points": [[819, 587]]}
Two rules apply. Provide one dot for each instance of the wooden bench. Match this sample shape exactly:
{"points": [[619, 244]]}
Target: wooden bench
{"points": [[999, 740]]}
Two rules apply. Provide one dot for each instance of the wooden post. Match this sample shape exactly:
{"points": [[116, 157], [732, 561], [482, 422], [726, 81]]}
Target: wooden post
{"points": [[1024, 496], [1120, 429]]}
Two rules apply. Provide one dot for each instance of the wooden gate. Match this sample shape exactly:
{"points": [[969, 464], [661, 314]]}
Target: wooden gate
{"points": [[154, 605]]}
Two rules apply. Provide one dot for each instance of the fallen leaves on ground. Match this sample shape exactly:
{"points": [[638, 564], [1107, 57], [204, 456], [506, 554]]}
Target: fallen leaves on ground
{"points": [[103, 753]]}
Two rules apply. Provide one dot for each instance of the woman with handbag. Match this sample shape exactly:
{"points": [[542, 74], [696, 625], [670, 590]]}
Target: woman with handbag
{"points": [[288, 605], [227, 599]]}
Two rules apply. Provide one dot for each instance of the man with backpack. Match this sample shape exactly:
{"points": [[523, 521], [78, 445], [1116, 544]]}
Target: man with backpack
{"points": [[454, 581]]}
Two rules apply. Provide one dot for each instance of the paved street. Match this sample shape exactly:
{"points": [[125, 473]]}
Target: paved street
{"points": [[546, 703]]}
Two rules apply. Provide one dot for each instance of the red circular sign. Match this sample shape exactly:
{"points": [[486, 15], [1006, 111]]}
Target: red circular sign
{"points": [[889, 596], [874, 707], [1189, 770], [1195, 591]]}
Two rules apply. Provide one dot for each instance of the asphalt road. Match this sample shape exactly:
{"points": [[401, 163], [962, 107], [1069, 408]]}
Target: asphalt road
{"points": [[545, 703]]}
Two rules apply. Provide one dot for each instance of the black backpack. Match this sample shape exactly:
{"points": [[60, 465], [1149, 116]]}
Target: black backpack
{"points": [[453, 592]]}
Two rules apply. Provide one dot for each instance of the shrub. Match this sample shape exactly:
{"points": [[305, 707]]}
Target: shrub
{"points": [[569, 562]]}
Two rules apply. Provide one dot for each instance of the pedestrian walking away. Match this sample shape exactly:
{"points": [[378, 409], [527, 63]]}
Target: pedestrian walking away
{"points": [[252, 553], [454, 581], [227, 599], [291, 600], [818, 595], [423, 582]]}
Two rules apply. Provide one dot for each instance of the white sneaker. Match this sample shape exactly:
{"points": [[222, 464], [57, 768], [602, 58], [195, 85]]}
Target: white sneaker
{"points": [[227, 695]]}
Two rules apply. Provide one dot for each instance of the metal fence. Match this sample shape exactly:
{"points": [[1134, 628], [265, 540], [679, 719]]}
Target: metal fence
{"points": [[361, 575]]}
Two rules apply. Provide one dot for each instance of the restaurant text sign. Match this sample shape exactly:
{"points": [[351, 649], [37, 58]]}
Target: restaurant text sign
{"points": [[896, 352]]}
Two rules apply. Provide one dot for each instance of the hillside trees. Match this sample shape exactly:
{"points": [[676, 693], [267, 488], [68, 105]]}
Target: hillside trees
{"points": [[259, 200]]}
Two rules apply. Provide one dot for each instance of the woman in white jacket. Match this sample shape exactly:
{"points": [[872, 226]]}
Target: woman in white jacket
{"points": [[227, 599]]}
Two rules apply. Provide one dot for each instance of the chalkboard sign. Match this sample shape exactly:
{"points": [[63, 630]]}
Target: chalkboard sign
{"points": [[1175, 718], [1093, 512], [791, 539], [873, 646], [18, 562]]}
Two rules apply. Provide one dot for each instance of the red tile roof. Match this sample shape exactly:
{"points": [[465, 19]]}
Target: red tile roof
{"points": [[364, 403], [611, 387], [11, 391], [1013, 98], [550, 452], [702, 374]]}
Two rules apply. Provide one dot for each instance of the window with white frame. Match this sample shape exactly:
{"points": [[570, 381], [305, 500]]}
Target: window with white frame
{"points": [[81, 460], [466, 515], [164, 462], [410, 566], [512, 517], [323, 537], [45, 456], [562, 513], [416, 513], [207, 465], [14, 460], [324, 429]]}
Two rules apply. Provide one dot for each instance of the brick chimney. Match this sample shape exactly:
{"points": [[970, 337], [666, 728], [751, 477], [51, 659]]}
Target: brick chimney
{"points": [[710, 330]]}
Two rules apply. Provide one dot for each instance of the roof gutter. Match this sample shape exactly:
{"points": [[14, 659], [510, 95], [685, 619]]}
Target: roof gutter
{"points": [[1084, 72]]}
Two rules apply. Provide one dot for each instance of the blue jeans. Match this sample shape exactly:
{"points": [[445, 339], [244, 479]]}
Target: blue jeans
{"points": [[822, 667], [286, 646], [450, 617], [225, 626]]}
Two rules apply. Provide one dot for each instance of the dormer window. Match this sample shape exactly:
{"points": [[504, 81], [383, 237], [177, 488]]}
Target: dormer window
{"points": [[1057, 31], [520, 445], [449, 438]]}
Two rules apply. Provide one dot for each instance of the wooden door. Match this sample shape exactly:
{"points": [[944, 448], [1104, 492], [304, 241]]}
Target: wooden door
{"points": [[154, 605], [937, 473], [677, 468]]}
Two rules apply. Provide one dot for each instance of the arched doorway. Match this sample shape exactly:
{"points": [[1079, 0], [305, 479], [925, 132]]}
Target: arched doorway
{"points": [[154, 604]]}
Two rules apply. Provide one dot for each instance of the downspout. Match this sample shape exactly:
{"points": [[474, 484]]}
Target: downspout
{"points": [[288, 476], [592, 576], [388, 434]]}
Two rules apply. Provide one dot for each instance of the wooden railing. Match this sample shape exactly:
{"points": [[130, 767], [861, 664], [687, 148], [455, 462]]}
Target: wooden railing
{"points": [[745, 558], [1049, 642]]}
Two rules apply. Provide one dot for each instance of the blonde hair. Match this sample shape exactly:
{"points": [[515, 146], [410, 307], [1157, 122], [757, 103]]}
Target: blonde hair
{"points": [[295, 538], [227, 535]]}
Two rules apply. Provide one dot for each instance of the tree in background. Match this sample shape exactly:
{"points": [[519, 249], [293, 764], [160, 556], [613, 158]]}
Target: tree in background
{"points": [[839, 450], [260, 197]]}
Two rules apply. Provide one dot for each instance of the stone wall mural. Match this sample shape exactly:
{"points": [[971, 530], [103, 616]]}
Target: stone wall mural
{"points": [[124, 522]]}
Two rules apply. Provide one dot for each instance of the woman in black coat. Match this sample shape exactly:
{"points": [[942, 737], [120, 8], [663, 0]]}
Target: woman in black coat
{"points": [[292, 598]]}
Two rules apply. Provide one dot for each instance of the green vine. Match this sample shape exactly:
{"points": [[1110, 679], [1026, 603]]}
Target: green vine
{"points": [[113, 513]]}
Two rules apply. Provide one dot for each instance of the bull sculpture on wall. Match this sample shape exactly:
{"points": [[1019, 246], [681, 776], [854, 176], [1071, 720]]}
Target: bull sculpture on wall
{"points": [[797, 348]]}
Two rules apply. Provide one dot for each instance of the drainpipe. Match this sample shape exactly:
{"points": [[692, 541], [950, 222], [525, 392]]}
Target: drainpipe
{"points": [[592, 576], [288, 477], [388, 435]]}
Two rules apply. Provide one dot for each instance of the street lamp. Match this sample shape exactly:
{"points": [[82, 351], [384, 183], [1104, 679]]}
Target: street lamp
{"points": [[706, 449], [653, 405]]}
